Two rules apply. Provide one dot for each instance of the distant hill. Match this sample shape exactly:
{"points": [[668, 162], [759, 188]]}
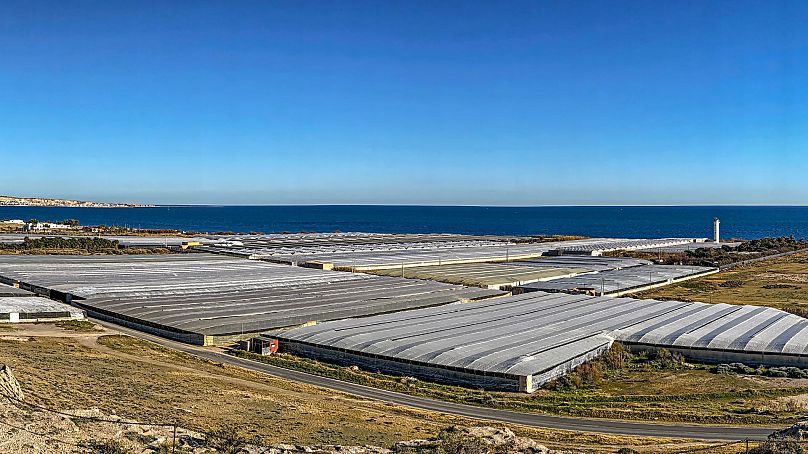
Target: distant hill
{"points": [[45, 202]]}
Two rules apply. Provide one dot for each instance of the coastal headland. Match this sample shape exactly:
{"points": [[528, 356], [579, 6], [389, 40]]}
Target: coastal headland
{"points": [[46, 202]]}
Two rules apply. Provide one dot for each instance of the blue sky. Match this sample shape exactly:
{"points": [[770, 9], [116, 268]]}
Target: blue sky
{"points": [[489, 103]]}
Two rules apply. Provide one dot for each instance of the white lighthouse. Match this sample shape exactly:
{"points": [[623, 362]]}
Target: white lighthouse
{"points": [[716, 230]]}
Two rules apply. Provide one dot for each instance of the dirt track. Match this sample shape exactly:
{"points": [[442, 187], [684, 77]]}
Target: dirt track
{"points": [[125, 376]]}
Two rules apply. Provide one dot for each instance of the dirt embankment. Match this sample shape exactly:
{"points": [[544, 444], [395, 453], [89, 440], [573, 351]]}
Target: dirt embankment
{"points": [[124, 380], [35, 429]]}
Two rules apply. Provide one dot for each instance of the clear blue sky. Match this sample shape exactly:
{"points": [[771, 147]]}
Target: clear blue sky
{"points": [[494, 103]]}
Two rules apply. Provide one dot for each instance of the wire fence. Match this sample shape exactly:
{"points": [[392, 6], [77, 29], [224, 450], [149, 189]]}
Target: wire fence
{"points": [[714, 447], [745, 445], [96, 419]]}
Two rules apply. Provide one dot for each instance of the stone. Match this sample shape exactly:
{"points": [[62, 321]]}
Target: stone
{"points": [[799, 431], [9, 385]]}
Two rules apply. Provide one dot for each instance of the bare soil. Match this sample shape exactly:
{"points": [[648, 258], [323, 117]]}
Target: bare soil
{"points": [[120, 375]]}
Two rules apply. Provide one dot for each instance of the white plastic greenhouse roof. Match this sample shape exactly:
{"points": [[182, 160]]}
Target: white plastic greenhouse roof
{"points": [[7, 290], [532, 333], [598, 246], [216, 295], [591, 262], [725, 327], [620, 280], [404, 251], [33, 305]]}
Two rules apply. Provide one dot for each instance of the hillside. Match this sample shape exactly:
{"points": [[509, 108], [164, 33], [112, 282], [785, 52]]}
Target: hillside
{"points": [[45, 202]]}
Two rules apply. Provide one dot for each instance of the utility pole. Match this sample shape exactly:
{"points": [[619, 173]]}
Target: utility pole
{"points": [[174, 441]]}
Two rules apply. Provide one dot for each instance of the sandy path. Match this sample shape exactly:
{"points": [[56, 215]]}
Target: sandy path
{"points": [[89, 339]]}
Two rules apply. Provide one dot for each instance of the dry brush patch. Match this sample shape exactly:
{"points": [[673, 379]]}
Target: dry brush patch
{"points": [[140, 380], [780, 283], [656, 389]]}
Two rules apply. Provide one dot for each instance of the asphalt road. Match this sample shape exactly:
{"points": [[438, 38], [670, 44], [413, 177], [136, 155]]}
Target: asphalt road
{"points": [[701, 432]]}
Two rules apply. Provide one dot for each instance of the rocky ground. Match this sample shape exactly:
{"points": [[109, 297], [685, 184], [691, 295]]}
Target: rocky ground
{"points": [[31, 429], [124, 380], [27, 429]]}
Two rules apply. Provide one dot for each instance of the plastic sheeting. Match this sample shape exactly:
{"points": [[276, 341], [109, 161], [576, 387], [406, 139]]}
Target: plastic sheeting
{"points": [[533, 333]]}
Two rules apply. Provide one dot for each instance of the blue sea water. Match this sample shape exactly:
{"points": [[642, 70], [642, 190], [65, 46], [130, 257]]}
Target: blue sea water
{"points": [[746, 222]]}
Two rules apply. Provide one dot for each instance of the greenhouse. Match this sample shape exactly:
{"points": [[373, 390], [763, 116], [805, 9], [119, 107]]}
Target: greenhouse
{"points": [[521, 342]]}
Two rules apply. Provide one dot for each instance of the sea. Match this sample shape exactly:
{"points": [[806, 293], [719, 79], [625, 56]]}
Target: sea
{"points": [[742, 222]]}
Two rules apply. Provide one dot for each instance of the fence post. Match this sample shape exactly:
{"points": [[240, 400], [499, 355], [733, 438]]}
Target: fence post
{"points": [[174, 441]]}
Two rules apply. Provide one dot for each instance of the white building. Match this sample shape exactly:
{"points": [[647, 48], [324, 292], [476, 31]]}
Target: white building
{"points": [[45, 226], [716, 230]]}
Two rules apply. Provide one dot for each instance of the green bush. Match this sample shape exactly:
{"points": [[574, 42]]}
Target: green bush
{"points": [[720, 256], [88, 244], [731, 284], [779, 286], [779, 244], [664, 359], [743, 369]]}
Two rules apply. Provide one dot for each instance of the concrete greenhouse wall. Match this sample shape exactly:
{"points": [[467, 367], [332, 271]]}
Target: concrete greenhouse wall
{"points": [[433, 374], [716, 356]]}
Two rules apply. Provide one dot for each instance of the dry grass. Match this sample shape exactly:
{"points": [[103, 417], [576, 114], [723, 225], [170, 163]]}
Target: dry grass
{"points": [[692, 394], [781, 283], [137, 379], [78, 325], [6, 227], [68, 251]]}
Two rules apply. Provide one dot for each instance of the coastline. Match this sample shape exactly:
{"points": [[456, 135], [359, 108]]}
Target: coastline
{"points": [[75, 206], [624, 222]]}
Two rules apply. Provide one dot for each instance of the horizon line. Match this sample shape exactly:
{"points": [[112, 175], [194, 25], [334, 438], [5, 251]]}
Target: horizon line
{"points": [[169, 205]]}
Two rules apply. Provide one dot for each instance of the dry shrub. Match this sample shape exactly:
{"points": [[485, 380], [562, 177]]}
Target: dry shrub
{"points": [[105, 447], [227, 439], [590, 373], [784, 446], [453, 441], [664, 359], [731, 284], [616, 357]]}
